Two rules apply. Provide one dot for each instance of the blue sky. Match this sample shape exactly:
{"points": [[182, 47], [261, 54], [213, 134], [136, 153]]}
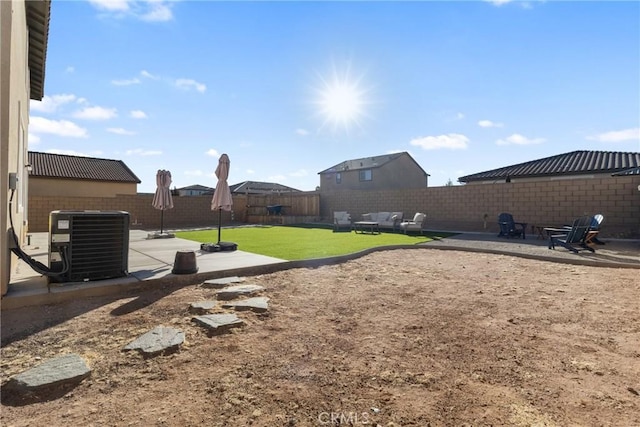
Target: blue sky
{"points": [[288, 89]]}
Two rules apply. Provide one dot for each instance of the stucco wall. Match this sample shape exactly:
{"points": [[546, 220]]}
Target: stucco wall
{"points": [[14, 121], [39, 186]]}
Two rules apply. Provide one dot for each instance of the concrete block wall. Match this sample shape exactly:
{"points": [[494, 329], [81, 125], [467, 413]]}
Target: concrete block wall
{"points": [[543, 203], [455, 208], [193, 211]]}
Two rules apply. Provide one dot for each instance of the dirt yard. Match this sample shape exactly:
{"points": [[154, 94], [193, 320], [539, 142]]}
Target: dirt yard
{"points": [[396, 338]]}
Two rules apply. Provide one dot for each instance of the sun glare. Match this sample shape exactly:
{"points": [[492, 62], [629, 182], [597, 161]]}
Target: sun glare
{"points": [[341, 101]]}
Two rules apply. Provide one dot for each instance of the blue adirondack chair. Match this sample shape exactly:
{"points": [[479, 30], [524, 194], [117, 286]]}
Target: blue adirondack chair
{"points": [[596, 222], [574, 239], [510, 228]]}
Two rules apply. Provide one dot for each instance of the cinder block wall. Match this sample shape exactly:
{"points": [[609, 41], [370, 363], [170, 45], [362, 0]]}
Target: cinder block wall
{"points": [[194, 211], [545, 203], [456, 208]]}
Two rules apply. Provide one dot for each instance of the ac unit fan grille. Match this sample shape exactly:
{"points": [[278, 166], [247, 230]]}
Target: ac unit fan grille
{"points": [[99, 247]]}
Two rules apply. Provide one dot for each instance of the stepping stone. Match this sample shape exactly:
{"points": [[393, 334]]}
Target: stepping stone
{"points": [[222, 282], [233, 292], [218, 323], [202, 307], [158, 340], [257, 304], [60, 373]]}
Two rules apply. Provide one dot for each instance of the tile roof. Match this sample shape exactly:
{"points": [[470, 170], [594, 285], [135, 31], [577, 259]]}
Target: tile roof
{"points": [[632, 171], [47, 165], [196, 187], [368, 163], [256, 187], [572, 163]]}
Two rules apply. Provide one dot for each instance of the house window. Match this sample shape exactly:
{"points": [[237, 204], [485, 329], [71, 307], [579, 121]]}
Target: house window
{"points": [[365, 175], [338, 178]]}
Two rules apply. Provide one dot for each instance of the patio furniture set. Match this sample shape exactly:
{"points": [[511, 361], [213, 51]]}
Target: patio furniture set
{"points": [[579, 236], [373, 222]]}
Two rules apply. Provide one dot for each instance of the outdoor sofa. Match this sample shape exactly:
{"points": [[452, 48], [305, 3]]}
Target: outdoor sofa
{"points": [[387, 220]]}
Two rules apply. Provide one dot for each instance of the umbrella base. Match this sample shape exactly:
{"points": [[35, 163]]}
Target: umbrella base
{"points": [[218, 247], [228, 246], [157, 235]]}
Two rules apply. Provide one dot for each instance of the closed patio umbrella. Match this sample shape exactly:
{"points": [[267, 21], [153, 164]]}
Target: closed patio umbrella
{"points": [[222, 197], [162, 199]]}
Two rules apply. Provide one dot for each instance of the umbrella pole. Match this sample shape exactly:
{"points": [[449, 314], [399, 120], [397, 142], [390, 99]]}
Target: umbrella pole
{"points": [[161, 220], [219, 223]]}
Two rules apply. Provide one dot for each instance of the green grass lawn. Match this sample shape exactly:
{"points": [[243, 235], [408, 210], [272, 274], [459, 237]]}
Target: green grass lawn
{"points": [[297, 242]]}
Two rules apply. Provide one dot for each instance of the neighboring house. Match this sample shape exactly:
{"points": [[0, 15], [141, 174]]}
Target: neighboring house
{"points": [[255, 187], [24, 34], [77, 176], [575, 164], [194, 190], [385, 172]]}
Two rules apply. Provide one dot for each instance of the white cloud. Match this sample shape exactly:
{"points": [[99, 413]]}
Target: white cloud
{"points": [[96, 113], [33, 139], [302, 132], [213, 153], [632, 134], [250, 172], [158, 12], [498, 2], [141, 152], [276, 178], [120, 131], [517, 139], [70, 69], [196, 172], [56, 127], [74, 152], [460, 116], [111, 5], [489, 124], [299, 173], [452, 141], [50, 104], [145, 10], [127, 82], [148, 75], [138, 114], [523, 4], [187, 84]]}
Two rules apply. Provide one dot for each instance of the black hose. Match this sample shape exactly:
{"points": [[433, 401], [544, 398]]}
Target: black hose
{"points": [[33, 263]]}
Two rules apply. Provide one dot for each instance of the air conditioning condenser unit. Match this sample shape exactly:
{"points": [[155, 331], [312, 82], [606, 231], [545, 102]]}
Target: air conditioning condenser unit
{"points": [[89, 245]]}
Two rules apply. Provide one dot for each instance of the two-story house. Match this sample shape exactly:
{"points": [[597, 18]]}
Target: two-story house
{"points": [[384, 172]]}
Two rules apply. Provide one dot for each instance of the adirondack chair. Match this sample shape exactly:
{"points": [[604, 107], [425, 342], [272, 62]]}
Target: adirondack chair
{"points": [[574, 239], [596, 222], [510, 228]]}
